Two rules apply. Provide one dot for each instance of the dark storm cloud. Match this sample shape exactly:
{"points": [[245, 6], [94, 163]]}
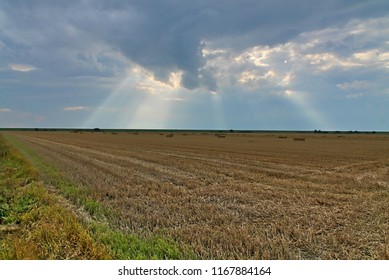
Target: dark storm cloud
{"points": [[79, 38], [165, 36]]}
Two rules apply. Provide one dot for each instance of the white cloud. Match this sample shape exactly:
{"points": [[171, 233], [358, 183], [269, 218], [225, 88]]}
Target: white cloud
{"points": [[5, 110], [354, 85], [289, 92], [366, 56], [312, 55], [145, 81], [325, 61], [212, 52], [22, 67], [257, 55], [75, 108]]}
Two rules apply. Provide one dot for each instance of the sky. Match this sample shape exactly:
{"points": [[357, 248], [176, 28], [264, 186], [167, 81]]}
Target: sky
{"points": [[204, 64]]}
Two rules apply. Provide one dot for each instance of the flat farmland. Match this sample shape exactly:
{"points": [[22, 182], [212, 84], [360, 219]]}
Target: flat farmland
{"points": [[235, 196]]}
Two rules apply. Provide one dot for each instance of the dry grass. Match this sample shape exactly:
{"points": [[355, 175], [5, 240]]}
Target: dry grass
{"points": [[253, 196], [33, 224]]}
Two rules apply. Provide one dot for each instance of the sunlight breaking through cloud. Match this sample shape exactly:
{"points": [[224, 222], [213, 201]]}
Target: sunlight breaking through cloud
{"points": [[307, 109], [202, 64]]}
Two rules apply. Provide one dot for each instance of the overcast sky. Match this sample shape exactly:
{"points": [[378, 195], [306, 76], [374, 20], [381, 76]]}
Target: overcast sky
{"points": [[204, 64]]}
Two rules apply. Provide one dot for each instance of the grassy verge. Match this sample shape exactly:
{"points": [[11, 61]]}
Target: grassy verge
{"points": [[100, 227], [33, 224]]}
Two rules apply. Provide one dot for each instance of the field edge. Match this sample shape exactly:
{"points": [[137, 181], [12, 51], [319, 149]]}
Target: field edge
{"points": [[86, 214]]}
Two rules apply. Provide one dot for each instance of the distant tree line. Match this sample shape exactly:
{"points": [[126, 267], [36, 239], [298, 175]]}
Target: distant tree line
{"points": [[338, 132]]}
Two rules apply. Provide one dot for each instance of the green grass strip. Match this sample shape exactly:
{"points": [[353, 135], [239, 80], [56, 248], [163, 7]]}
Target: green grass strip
{"points": [[33, 224], [122, 245]]}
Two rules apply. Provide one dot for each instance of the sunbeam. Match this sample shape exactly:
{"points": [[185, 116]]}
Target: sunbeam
{"points": [[119, 106], [139, 101], [153, 112], [306, 108], [219, 121]]}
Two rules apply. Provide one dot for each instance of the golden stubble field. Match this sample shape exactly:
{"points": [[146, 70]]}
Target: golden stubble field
{"points": [[244, 196]]}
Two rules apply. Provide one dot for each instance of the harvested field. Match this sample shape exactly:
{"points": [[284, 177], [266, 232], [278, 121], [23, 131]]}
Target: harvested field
{"points": [[246, 196]]}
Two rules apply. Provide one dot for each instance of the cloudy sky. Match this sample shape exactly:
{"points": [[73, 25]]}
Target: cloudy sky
{"points": [[204, 64]]}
